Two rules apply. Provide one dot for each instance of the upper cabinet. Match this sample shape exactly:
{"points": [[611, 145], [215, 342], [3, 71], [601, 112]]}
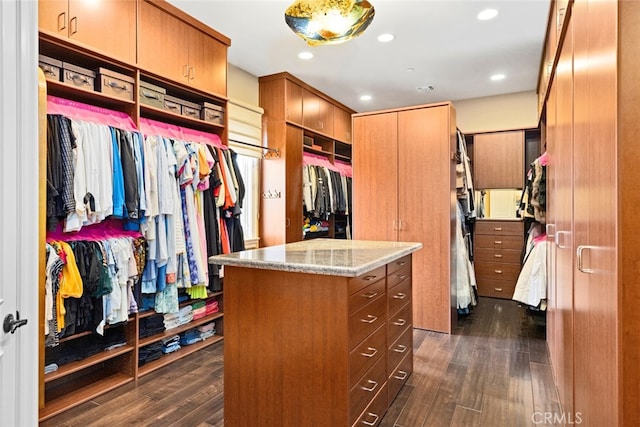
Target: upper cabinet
{"points": [[191, 55], [341, 124], [498, 160], [107, 27], [317, 113], [293, 101]]}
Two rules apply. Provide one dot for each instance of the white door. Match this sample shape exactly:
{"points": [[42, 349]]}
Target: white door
{"points": [[19, 211]]}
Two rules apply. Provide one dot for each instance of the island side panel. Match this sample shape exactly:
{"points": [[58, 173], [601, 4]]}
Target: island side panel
{"points": [[285, 349]]}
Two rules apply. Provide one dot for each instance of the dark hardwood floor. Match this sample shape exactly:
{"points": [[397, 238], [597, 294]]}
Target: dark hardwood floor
{"points": [[492, 371]]}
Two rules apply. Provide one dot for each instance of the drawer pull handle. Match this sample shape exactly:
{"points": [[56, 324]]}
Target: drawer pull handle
{"points": [[371, 423], [370, 319], [497, 289], [114, 85], [400, 322], [497, 228], [370, 295], [401, 263], [400, 295], [497, 256], [77, 78], [402, 375], [149, 95], [402, 276], [369, 278], [400, 349], [373, 387], [373, 351], [47, 69], [171, 105], [497, 242], [497, 271]]}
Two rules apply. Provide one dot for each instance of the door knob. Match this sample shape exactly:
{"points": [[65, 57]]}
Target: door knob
{"points": [[10, 324]]}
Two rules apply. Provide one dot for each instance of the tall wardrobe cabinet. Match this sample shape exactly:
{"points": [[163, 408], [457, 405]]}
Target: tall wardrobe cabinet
{"points": [[406, 156], [592, 112]]}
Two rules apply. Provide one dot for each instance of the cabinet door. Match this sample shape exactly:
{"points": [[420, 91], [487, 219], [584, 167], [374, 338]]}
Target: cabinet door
{"points": [[293, 195], [499, 160], [341, 124], [53, 15], [375, 161], [310, 110], [207, 62], [293, 102], [425, 195], [158, 28], [325, 116], [109, 26]]}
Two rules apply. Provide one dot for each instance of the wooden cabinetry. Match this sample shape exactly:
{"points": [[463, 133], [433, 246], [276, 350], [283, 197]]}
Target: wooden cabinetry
{"points": [[592, 119], [498, 160], [192, 55], [341, 124], [83, 380], [330, 350], [293, 112], [406, 193], [107, 27], [498, 247]]}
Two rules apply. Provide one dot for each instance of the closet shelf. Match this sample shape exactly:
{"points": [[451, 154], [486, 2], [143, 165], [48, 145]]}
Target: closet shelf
{"points": [[69, 91], [70, 368], [167, 359], [171, 332], [84, 394], [169, 117]]}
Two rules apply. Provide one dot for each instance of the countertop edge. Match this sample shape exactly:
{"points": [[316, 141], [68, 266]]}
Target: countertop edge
{"points": [[314, 268]]}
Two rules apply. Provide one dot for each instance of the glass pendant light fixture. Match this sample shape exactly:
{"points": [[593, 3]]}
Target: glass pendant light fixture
{"points": [[329, 21]]}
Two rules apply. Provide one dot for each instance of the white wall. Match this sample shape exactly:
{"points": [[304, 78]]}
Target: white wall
{"points": [[242, 86], [495, 113]]}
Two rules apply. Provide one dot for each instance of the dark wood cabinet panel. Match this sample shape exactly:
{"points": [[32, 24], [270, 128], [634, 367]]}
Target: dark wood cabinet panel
{"points": [[498, 160]]}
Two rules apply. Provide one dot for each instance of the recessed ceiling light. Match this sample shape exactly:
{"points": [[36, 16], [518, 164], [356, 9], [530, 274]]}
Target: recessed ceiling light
{"points": [[305, 55], [410, 69], [365, 98], [387, 37], [487, 14], [497, 77]]}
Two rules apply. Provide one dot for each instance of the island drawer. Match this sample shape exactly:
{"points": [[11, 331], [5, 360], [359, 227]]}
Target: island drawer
{"points": [[363, 392], [399, 349], [399, 295], [362, 358], [366, 320], [399, 322], [358, 283], [366, 295], [398, 276], [393, 266]]}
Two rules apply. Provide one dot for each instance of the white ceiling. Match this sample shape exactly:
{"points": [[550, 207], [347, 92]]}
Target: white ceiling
{"points": [[442, 41]]}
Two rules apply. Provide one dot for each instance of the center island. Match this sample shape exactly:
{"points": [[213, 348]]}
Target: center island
{"points": [[317, 332]]}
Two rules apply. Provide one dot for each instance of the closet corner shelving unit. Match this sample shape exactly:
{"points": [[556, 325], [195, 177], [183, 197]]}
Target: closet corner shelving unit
{"points": [[95, 43], [298, 119]]}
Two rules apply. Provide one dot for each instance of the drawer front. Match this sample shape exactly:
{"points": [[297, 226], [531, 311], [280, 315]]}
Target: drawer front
{"points": [[366, 295], [51, 72], [396, 265], [115, 87], [372, 416], [366, 320], [497, 271], [192, 112], [362, 358], [497, 255], [172, 105], [213, 116], [358, 283], [398, 276], [496, 288], [367, 388], [499, 242], [399, 295], [500, 228], [399, 349], [399, 376], [151, 98], [399, 322]]}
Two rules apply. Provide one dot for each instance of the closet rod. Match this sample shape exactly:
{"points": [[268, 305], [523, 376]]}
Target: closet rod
{"points": [[275, 151]]}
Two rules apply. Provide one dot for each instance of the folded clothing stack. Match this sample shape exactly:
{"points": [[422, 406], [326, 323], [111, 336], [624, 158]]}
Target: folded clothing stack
{"points": [[171, 344], [211, 307], [151, 325], [191, 336], [149, 353], [199, 309], [208, 330], [182, 317]]}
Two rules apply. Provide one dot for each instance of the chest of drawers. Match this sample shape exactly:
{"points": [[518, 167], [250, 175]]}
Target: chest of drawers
{"points": [[498, 248]]}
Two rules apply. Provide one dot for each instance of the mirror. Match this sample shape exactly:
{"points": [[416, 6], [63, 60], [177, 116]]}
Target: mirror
{"points": [[498, 203]]}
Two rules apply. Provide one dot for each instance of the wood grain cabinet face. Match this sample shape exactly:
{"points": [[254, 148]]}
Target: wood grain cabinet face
{"points": [[498, 247], [293, 99], [108, 26], [189, 56], [498, 160], [317, 113], [341, 124]]}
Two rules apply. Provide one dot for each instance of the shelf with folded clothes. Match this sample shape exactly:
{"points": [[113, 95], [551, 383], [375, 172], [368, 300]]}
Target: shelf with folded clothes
{"points": [[167, 333]]}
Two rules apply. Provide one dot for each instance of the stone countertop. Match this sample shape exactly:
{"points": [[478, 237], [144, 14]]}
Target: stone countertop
{"points": [[335, 257]]}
